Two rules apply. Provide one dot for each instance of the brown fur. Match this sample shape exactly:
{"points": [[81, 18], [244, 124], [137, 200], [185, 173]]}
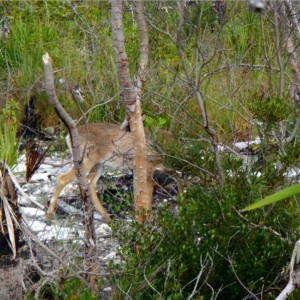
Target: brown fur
{"points": [[106, 145]]}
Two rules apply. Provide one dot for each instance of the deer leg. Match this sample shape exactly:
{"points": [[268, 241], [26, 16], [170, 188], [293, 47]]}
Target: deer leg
{"points": [[63, 180], [93, 182]]}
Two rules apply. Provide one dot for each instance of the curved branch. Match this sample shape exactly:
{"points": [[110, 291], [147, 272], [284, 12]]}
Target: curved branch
{"points": [[294, 281]]}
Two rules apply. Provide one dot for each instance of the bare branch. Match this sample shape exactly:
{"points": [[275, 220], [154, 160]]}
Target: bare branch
{"points": [[239, 280], [78, 164], [199, 99], [132, 96], [294, 281]]}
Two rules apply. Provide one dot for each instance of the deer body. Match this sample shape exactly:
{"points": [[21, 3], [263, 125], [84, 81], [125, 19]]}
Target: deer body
{"points": [[104, 145]]}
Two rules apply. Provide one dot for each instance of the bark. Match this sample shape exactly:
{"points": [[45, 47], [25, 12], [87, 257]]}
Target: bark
{"points": [[291, 22], [131, 94], [144, 44], [81, 175], [288, 22], [292, 17], [219, 7], [293, 62]]}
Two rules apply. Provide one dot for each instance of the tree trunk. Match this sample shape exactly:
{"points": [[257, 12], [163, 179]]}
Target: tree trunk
{"points": [[81, 175], [131, 94]]}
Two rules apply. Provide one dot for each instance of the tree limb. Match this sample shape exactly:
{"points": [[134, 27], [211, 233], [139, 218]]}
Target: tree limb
{"points": [[78, 164], [294, 281], [132, 95]]}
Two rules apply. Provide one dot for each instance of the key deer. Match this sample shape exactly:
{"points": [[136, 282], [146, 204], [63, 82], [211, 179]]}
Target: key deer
{"points": [[105, 145]]}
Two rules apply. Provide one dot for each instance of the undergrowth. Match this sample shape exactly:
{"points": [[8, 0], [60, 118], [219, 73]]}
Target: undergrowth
{"points": [[207, 247]]}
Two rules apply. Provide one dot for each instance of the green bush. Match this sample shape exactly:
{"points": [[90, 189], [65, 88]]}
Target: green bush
{"points": [[209, 247], [68, 288]]}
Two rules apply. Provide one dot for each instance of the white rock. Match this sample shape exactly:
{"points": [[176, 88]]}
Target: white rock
{"points": [[243, 145], [19, 168], [23, 201], [38, 226], [103, 229], [32, 212], [40, 177], [110, 256]]}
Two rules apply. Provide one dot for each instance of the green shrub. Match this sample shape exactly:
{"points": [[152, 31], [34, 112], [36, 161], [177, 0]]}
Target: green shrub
{"points": [[209, 247], [68, 288]]}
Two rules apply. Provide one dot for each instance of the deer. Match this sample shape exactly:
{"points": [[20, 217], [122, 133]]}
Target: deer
{"points": [[106, 145]]}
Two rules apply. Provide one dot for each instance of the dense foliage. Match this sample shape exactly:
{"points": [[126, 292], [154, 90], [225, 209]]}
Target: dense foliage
{"points": [[205, 248], [208, 248]]}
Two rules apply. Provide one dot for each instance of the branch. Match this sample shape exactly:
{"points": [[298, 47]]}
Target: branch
{"points": [[78, 155], [293, 19], [294, 281], [50, 91], [239, 280], [132, 95], [21, 191], [144, 44], [205, 123]]}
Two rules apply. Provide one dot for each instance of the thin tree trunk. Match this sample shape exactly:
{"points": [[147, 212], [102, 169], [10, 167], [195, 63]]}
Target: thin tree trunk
{"points": [[289, 21], [78, 155], [131, 94]]}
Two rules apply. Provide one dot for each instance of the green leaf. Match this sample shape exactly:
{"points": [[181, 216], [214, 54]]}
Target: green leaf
{"points": [[278, 196], [162, 121]]}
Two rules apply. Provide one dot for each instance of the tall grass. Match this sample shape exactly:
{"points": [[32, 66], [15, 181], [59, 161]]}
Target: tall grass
{"points": [[9, 143], [78, 39]]}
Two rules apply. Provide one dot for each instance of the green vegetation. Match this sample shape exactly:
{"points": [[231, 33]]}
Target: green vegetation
{"points": [[278, 196], [66, 289], [78, 39], [206, 247], [9, 143]]}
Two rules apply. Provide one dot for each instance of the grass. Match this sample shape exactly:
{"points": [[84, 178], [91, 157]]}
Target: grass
{"points": [[9, 143], [78, 39]]}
